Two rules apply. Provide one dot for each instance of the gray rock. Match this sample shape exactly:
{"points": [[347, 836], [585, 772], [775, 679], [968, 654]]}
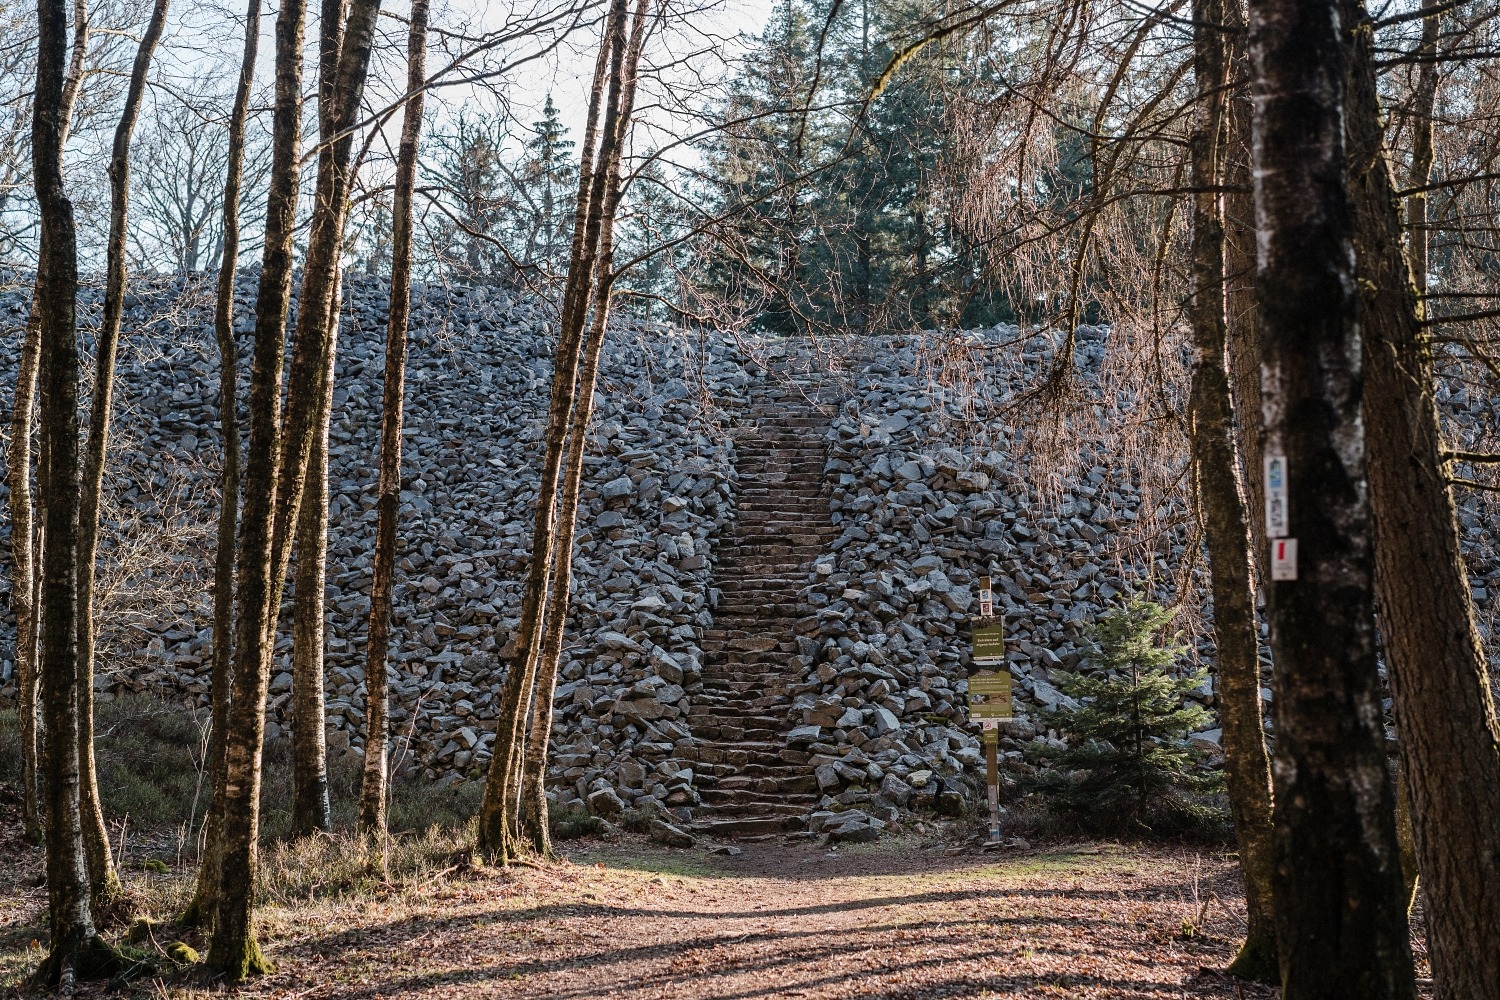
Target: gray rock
{"points": [[605, 802], [665, 833]]}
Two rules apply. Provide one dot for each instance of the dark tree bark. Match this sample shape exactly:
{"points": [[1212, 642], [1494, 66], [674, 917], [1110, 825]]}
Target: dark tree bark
{"points": [[499, 812], [1340, 921], [534, 771], [373, 791], [1440, 684], [233, 952], [310, 806], [75, 949], [103, 882], [1247, 766], [202, 906], [26, 548]]}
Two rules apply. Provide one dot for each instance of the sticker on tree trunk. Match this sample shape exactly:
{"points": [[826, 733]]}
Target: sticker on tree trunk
{"points": [[1276, 510], [1284, 559]]}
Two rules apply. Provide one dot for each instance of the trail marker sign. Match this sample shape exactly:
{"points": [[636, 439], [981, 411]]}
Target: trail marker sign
{"points": [[1283, 559], [1277, 518], [986, 598], [989, 645]]}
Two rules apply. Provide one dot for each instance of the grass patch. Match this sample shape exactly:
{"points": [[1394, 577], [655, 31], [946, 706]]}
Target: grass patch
{"points": [[360, 865], [150, 756], [573, 822]]}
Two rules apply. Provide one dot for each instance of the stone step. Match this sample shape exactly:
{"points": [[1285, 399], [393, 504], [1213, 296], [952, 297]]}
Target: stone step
{"points": [[731, 828], [772, 768], [728, 732], [766, 795]]}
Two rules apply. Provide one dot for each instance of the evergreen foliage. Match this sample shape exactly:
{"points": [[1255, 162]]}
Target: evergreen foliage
{"points": [[503, 211], [1129, 765], [847, 217]]}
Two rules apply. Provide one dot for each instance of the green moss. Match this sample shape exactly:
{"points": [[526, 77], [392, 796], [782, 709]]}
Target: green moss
{"points": [[182, 953], [142, 929], [244, 962]]}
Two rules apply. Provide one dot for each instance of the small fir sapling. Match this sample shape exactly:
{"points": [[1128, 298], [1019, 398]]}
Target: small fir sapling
{"points": [[1129, 764]]}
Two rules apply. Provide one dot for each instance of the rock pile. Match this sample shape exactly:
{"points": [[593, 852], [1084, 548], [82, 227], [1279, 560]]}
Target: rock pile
{"points": [[658, 488], [928, 485]]}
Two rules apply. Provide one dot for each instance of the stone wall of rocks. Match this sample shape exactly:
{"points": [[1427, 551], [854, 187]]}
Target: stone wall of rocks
{"points": [[931, 487], [658, 487]]}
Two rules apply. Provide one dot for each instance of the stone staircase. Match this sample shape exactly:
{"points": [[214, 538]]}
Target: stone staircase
{"points": [[750, 781]]}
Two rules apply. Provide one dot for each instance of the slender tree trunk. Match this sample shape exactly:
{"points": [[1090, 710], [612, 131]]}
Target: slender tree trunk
{"points": [[1247, 766], [373, 792], [499, 810], [26, 538], [310, 808], [1439, 679], [23, 575], [1239, 276], [75, 948], [313, 343], [1340, 922], [202, 906], [534, 771], [1416, 242], [233, 951], [103, 882]]}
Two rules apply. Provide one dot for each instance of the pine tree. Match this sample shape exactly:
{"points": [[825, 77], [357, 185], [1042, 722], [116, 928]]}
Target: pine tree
{"points": [[546, 186], [1129, 765]]}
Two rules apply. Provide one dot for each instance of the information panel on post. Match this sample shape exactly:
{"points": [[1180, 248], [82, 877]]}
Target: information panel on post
{"points": [[990, 696]]}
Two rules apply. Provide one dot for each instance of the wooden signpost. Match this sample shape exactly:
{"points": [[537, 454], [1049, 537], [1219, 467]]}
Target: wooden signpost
{"points": [[990, 693]]}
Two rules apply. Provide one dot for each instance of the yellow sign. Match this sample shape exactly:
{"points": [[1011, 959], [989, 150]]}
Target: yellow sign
{"points": [[989, 696], [989, 643]]}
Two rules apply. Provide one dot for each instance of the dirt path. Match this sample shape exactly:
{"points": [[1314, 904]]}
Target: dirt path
{"points": [[890, 920]]}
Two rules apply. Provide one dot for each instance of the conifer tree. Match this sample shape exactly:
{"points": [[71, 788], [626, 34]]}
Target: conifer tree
{"points": [[1130, 765]]}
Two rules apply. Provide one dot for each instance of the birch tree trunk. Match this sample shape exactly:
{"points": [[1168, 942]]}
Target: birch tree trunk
{"points": [[499, 827], [1341, 925], [374, 787], [104, 884], [202, 906], [1247, 766], [533, 811], [233, 951], [26, 540], [1439, 679], [310, 807], [75, 949], [23, 575]]}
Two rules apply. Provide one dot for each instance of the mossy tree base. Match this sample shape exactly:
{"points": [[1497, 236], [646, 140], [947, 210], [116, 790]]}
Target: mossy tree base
{"points": [[111, 904], [198, 914], [245, 962], [1257, 962], [79, 960]]}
